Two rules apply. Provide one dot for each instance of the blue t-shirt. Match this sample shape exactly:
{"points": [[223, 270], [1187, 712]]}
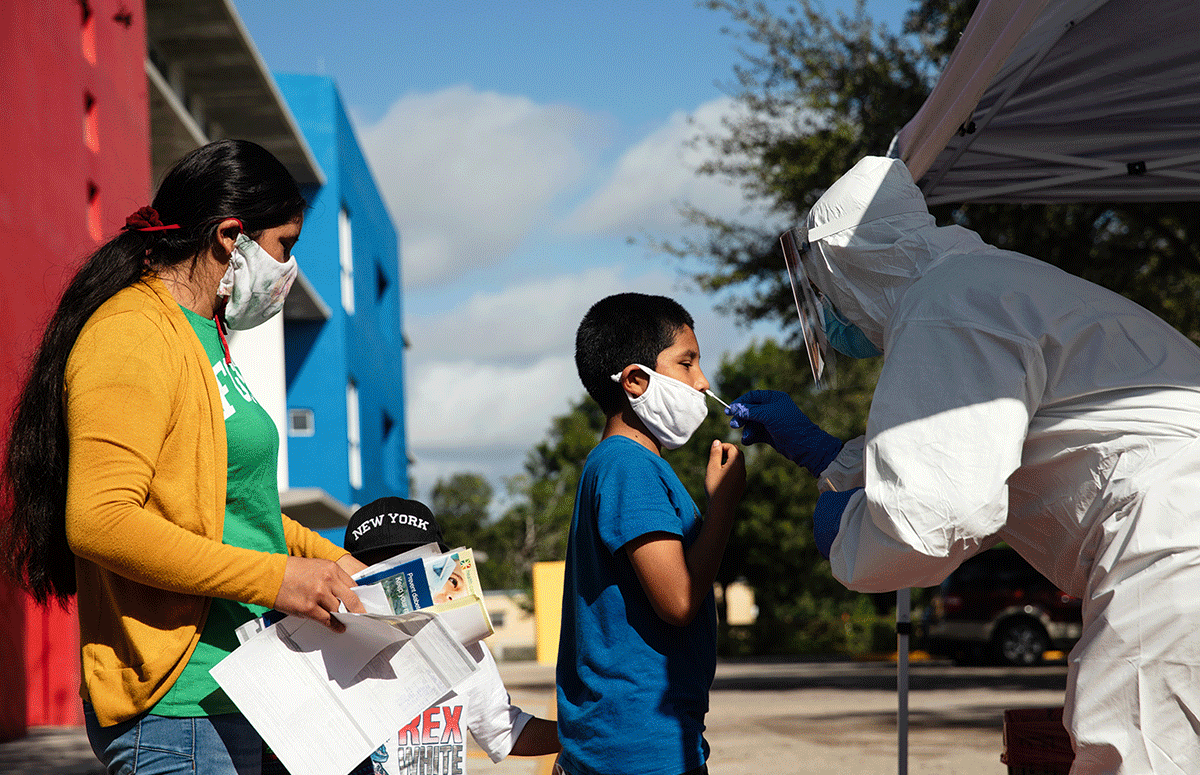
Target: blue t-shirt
{"points": [[632, 689]]}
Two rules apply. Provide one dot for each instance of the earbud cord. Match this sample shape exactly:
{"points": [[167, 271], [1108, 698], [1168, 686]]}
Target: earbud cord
{"points": [[221, 333]]}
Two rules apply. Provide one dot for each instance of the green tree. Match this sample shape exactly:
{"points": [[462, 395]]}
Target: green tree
{"points": [[461, 504], [771, 546], [801, 607], [535, 527], [817, 92]]}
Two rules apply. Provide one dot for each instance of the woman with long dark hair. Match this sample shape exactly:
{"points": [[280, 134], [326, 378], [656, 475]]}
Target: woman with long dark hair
{"points": [[141, 472]]}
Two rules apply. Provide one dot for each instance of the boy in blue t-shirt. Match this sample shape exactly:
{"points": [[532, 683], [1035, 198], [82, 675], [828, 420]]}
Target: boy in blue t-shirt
{"points": [[638, 647]]}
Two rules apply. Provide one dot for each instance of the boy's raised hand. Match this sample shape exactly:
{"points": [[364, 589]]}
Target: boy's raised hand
{"points": [[725, 476], [677, 580]]}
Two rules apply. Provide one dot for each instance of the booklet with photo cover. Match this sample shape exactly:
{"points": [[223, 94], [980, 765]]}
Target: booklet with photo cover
{"points": [[421, 579], [421, 582]]}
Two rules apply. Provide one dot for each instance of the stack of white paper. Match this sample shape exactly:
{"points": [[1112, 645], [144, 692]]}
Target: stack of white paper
{"points": [[324, 701]]}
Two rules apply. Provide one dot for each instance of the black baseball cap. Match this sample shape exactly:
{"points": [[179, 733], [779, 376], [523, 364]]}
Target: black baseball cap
{"points": [[388, 526]]}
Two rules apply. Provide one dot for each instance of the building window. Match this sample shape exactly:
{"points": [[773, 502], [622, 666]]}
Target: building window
{"points": [[93, 212], [386, 304], [88, 39], [91, 123], [381, 283], [354, 443], [393, 457], [301, 422], [346, 258]]}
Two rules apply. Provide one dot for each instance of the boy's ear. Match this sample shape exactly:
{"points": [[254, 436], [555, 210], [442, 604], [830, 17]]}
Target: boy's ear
{"points": [[634, 380]]}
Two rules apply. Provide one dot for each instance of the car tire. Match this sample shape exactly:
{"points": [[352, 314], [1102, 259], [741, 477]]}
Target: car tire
{"points": [[1020, 642]]}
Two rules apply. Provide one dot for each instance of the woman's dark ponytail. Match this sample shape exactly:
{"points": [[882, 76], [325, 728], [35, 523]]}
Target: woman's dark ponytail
{"points": [[228, 178]]}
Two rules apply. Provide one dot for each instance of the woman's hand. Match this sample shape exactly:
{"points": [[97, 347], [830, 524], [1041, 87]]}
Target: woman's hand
{"points": [[347, 563], [314, 589]]}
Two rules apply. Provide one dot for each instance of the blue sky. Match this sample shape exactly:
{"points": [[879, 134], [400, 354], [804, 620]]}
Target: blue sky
{"points": [[525, 151]]}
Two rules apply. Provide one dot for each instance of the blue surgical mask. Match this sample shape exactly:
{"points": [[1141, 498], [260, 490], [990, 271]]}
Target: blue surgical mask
{"points": [[844, 336]]}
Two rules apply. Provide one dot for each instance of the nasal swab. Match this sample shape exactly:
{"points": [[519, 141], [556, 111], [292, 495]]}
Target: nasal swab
{"points": [[719, 401]]}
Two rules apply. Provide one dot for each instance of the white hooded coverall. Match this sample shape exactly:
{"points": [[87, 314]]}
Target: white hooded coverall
{"points": [[1020, 403]]}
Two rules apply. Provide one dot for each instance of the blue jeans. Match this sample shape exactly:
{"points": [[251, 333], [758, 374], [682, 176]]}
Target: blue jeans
{"points": [[161, 745]]}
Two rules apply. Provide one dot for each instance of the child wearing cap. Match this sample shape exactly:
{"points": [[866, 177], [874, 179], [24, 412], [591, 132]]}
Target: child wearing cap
{"points": [[434, 742], [637, 651]]}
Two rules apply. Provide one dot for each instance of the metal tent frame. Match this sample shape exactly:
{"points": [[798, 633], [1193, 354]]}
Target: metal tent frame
{"points": [[1064, 101]]}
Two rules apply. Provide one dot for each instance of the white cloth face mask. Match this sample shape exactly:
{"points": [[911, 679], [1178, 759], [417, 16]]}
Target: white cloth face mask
{"points": [[670, 409], [255, 283]]}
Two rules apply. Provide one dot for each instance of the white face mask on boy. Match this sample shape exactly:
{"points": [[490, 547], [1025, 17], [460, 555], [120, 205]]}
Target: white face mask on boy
{"points": [[255, 283], [670, 409]]}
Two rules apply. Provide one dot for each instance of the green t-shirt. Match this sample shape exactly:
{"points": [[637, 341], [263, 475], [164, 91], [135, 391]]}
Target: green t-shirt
{"points": [[252, 521]]}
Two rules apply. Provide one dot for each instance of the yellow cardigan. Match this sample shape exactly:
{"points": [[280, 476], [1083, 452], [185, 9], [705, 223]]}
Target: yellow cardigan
{"points": [[146, 501]]}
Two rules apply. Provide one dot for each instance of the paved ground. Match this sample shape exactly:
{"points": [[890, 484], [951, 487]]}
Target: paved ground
{"points": [[766, 717], [49, 751], [836, 718]]}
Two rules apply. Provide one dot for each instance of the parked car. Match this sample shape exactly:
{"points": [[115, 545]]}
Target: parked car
{"points": [[995, 607]]}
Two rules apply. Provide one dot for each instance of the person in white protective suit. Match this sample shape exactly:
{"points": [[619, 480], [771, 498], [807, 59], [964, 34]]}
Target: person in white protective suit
{"points": [[1016, 403]]}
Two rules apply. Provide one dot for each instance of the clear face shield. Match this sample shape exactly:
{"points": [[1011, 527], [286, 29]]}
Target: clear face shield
{"points": [[808, 305]]}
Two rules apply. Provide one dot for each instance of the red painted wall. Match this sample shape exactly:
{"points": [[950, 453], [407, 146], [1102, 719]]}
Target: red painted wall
{"points": [[74, 161]]}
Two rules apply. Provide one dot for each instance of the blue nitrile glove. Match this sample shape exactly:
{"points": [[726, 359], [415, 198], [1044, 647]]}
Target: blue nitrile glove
{"points": [[772, 416], [827, 518]]}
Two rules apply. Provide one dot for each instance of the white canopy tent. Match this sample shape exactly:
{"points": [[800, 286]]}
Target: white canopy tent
{"points": [[1064, 101], [1055, 101]]}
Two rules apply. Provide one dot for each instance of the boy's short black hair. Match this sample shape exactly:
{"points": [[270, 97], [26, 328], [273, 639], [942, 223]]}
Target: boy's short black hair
{"points": [[619, 330]]}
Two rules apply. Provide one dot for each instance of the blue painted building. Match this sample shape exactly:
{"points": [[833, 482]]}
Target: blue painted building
{"points": [[344, 374]]}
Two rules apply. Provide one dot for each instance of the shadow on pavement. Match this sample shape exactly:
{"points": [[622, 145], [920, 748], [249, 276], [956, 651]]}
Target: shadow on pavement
{"points": [[881, 676]]}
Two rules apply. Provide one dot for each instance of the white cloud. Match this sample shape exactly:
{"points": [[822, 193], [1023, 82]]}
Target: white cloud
{"points": [[522, 321], [470, 404], [653, 178], [496, 464], [466, 174], [495, 369], [487, 377]]}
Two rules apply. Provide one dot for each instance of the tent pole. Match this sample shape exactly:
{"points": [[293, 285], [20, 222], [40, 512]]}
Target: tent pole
{"points": [[903, 628]]}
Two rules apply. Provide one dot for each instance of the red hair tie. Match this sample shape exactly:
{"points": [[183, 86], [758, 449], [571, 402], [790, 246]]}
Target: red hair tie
{"points": [[146, 219]]}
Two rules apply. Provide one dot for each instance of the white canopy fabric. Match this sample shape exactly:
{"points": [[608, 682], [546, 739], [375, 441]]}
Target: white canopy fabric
{"points": [[1070, 100]]}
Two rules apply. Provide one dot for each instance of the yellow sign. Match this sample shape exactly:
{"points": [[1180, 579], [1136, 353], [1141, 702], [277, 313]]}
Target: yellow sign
{"points": [[547, 608]]}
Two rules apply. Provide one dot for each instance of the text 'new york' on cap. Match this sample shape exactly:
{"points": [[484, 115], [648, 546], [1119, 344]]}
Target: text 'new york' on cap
{"points": [[388, 526]]}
